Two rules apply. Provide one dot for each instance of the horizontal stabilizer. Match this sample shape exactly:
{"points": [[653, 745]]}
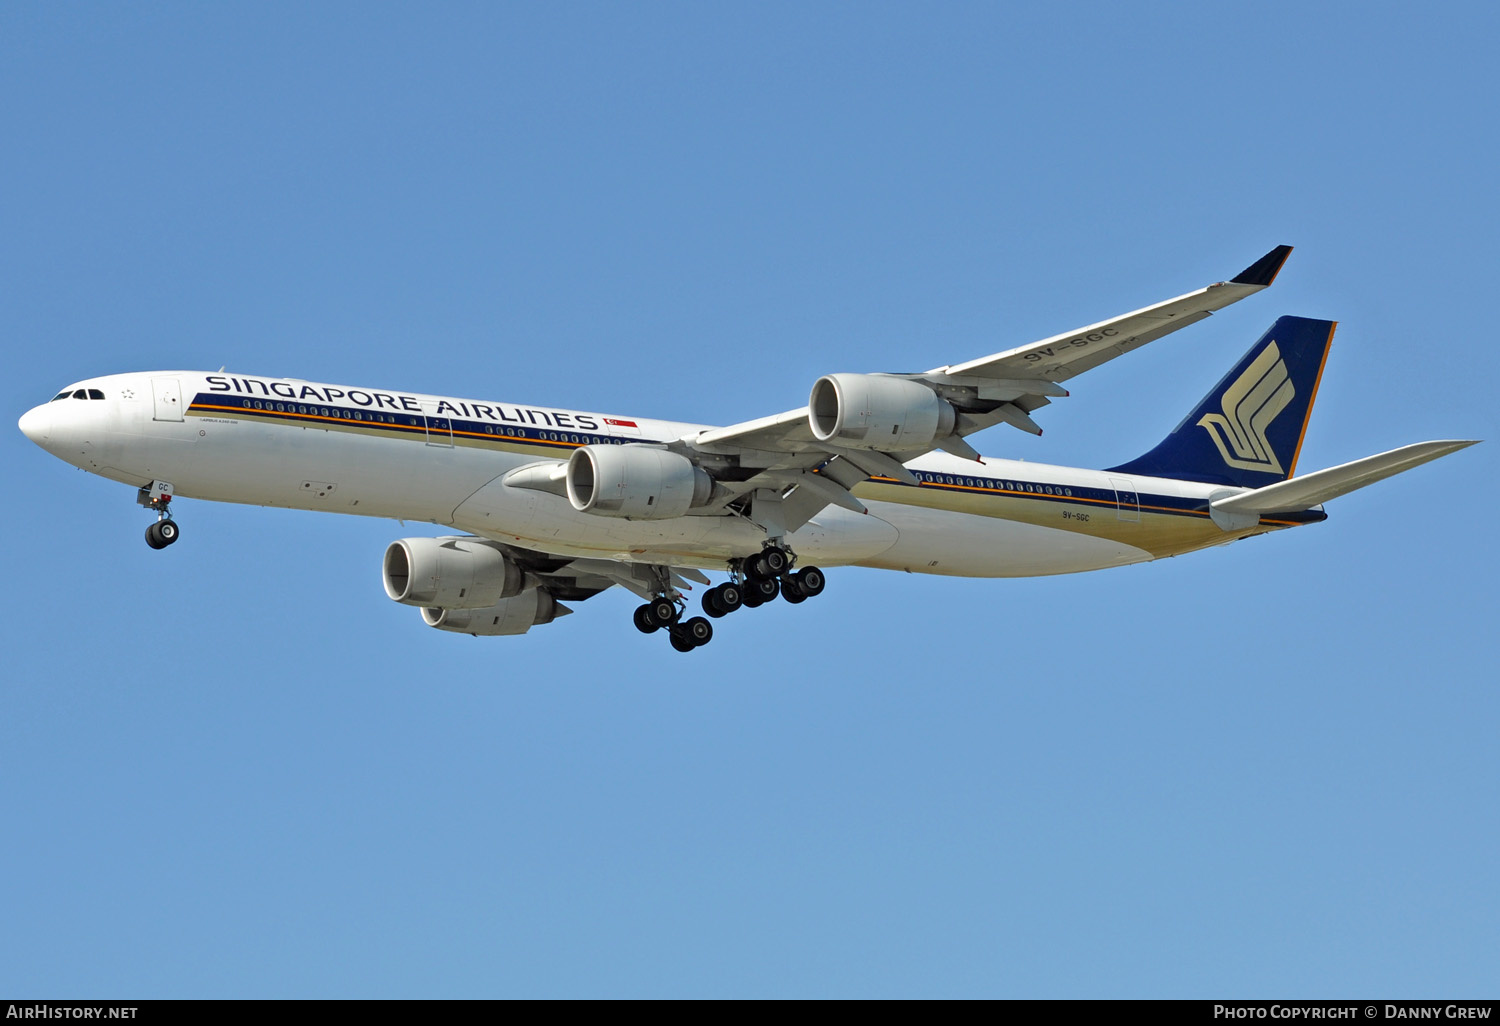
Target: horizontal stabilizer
{"points": [[1305, 492]]}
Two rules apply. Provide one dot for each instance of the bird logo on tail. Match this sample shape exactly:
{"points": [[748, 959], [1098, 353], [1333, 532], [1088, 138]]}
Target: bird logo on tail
{"points": [[1250, 405]]}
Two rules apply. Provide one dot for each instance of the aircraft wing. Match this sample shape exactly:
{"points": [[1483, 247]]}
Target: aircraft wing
{"points": [[782, 458], [1062, 356]]}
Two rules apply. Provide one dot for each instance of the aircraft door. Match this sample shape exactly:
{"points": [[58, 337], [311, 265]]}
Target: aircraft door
{"points": [[439, 429], [1126, 499], [168, 395]]}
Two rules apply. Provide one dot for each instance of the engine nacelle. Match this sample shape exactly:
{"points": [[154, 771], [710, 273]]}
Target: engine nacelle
{"points": [[872, 411], [456, 573], [515, 615], [635, 481]]}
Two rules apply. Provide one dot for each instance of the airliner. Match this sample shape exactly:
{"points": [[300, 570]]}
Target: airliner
{"points": [[553, 506]]}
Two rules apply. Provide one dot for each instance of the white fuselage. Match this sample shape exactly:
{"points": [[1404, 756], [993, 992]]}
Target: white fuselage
{"points": [[303, 445]]}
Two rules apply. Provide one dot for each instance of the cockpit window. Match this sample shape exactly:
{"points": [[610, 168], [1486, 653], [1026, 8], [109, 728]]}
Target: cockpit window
{"points": [[82, 393], [61, 395], [94, 393]]}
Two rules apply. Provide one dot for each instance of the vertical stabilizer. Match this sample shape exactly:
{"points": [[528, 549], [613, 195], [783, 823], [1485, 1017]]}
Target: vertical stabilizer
{"points": [[1248, 431]]}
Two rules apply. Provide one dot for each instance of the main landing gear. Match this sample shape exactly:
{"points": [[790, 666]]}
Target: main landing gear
{"points": [[662, 613], [157, 496], [753, 581], [765, 575]]}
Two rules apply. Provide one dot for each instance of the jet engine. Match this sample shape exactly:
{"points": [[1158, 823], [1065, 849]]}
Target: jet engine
{"points": [[515, 615], [635, 481], [873, 411], [456, 573]]}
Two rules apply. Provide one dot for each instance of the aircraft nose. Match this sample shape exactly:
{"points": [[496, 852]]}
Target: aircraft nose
{"points": [[36, 424]]}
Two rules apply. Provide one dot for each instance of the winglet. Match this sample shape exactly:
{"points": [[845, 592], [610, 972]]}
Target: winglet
{"points": [[1264, 270]]}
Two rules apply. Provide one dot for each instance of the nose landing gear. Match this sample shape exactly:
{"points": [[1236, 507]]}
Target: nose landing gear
{"points": [[157, 497]]}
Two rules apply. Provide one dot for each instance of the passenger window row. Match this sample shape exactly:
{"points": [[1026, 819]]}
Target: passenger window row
{"points": [[982, 482]]}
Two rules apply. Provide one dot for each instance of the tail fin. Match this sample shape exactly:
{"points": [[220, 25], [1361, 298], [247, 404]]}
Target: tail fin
{"points": [[1248, 431]]}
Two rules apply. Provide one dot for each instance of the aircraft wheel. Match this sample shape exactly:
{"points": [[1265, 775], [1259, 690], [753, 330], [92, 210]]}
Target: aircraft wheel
{"points": [[699, 631], [712, 604], [764, 590], [643, 621], [663, 612], [731, 596], [776, 561], [680, 640], [811, 580], [154, 538], [751, 600], [791, 590]]}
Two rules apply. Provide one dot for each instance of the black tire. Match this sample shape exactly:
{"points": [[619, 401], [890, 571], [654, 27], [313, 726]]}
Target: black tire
{"points": [[811, 580], [698, 630], [792, 591], [167, 531], [663, 612], [712, 604], [755, 568], [775, 561], [680, 641], [751, 599], [731, 596], [153, 537], [765, 590], [643, 619]]}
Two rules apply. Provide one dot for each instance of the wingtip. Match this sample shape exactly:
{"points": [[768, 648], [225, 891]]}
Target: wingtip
{"points": [[1263, 272]]}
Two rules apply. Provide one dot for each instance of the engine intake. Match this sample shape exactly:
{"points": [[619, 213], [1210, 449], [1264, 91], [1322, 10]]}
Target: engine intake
{"points": [[635, 481], [873, 411], [456, 573], [515, 615]]}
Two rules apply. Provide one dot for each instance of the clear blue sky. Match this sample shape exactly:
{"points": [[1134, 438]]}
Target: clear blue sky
{"points": [[234, 768]]}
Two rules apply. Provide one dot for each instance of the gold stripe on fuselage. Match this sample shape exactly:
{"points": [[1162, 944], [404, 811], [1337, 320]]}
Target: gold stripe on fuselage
{"points": [[1161, 531]]}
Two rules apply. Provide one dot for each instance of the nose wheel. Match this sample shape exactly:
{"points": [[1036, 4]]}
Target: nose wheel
{"points": [[162, 533], [157, 497]]}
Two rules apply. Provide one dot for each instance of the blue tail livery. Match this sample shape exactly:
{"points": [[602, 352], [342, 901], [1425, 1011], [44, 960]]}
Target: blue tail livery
{"points": [[1248, 430]]}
